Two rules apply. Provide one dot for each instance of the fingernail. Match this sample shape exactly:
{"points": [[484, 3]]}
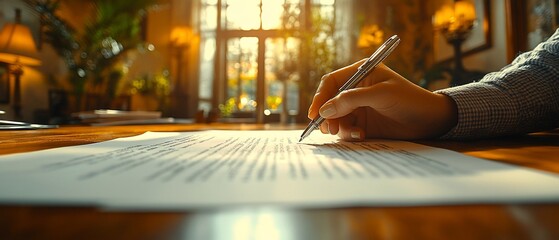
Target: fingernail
{"points": [[327, 111], [355, 135]]}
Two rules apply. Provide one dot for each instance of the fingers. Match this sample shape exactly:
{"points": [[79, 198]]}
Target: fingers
{"points": [[329, 85], [329, 126], [333, 126], [376, 91], [349, 130], [324, 127], [349, 100], [319, 97], [346, 128]]}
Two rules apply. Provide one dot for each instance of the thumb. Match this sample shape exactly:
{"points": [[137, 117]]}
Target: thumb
{"points": [[349, 100]]}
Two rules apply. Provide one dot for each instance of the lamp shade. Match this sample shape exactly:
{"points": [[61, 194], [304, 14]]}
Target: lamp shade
{"points": [[465, 11], [17, 45], [455, 16]]}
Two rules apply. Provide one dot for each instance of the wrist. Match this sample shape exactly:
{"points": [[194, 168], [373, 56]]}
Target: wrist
{"points": [[447, 116]]}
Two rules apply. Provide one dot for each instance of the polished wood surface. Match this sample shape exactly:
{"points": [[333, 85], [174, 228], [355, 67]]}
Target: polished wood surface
{"points": [[505, 221]]}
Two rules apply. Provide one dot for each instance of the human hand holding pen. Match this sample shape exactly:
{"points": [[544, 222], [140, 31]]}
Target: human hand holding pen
{"points": [[362, 71], [383, 105]]}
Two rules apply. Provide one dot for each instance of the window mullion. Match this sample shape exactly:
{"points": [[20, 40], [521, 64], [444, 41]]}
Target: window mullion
{"points": [[260, 83]]}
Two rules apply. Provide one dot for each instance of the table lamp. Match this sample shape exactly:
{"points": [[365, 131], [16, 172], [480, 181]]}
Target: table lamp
{"points": [[455, 22], [17, 48]]}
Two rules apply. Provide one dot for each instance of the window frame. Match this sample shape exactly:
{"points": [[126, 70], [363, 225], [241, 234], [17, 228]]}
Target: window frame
{"points": [[223, 35]]}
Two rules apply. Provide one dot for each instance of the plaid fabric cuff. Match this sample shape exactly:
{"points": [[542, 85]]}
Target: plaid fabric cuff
{"points": [[483, 110]]}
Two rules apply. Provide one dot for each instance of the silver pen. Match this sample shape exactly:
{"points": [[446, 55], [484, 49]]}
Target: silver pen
{"points": [[376, 58]]}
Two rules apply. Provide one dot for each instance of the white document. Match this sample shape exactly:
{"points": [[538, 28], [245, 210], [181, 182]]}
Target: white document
{"points": [[206, 169]]}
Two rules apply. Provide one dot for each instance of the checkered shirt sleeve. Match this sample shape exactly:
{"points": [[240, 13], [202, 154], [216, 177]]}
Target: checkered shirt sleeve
{"points": [[522, 97]]}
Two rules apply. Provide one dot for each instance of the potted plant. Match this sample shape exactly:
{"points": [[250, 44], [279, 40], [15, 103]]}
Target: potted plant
{"points": [[91, 52]]}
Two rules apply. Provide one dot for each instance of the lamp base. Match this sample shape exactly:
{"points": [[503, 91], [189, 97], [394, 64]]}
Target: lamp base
{"points": [[17, 71], [458, 71]]}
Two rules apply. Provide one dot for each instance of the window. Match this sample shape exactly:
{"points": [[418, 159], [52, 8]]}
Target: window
{"points": [[251, 56]]}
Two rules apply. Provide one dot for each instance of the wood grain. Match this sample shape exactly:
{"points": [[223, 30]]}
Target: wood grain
{"points": [[506, 221]]}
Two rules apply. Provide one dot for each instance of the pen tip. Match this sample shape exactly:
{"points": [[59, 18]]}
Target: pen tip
{"points": [[300, 139]]}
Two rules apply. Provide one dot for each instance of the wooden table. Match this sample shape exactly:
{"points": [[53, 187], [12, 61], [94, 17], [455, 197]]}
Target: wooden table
{"points": [[523, 221]]}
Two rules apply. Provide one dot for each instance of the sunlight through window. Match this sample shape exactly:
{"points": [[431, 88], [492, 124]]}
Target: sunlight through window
{"points": [[242, 70], [272, 11], [258, 35], [243, 14]]}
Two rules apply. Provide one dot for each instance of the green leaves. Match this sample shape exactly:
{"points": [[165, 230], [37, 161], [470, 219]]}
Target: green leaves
{"points": [[91, 52]]}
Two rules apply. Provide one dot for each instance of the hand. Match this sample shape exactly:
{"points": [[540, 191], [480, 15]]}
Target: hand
{"points": [[384, 105]]}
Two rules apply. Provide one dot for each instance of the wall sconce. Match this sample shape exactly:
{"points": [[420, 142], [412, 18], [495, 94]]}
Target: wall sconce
{"points": [[455, 22], [17, 48], [181, 36], [370, 37]]}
